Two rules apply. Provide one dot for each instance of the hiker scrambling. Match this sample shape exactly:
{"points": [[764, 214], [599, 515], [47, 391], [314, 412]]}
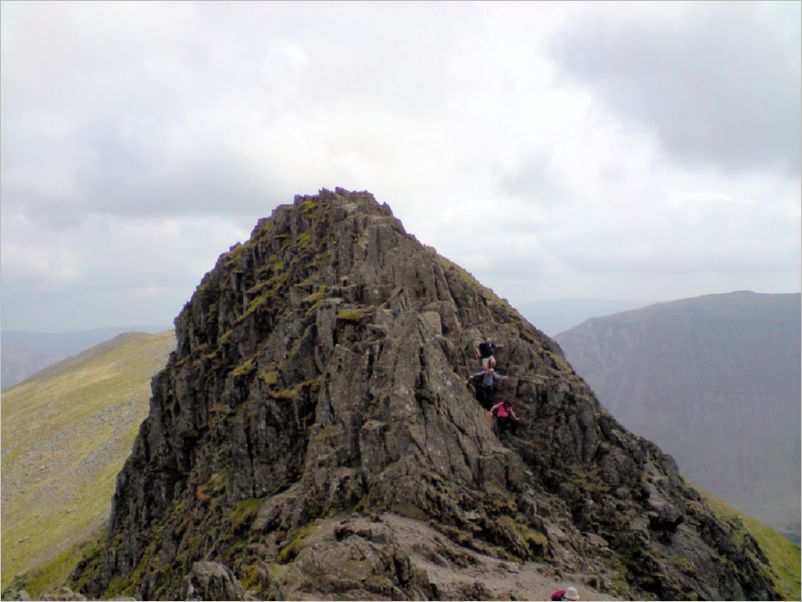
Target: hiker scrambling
{"points": [[486, 353], [565, 594], [505, 418], [484, 382]]}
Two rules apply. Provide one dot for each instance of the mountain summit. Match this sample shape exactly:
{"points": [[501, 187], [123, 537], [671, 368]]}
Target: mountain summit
{"points": [[313, 436]]}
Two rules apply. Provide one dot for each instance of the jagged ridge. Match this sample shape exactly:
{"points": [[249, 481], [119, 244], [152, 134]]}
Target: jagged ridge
{"points": [[320, 372]]}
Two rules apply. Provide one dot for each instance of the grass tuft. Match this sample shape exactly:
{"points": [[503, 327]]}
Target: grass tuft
{"points": [[291, 550], [351, 315], [244, 512]]}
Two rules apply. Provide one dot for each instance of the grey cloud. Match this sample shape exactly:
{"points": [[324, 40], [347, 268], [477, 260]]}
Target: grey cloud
{"points": [[122, 121], [83, 310], [112, 175], [720, 86], [535, 180], [139, 266], [206, 184]]}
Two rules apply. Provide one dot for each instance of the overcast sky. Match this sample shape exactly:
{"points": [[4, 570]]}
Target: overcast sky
{"points": [[555, 150]]}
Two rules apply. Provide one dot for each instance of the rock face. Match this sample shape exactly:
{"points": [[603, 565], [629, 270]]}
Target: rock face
{"points": [[316, 406]]}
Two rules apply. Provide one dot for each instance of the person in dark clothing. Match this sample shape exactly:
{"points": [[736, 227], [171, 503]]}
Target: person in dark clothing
{"points": [[486, 353]]}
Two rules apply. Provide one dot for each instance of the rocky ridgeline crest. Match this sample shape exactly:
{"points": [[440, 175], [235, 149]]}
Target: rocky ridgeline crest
{"points": [[313, 436]]}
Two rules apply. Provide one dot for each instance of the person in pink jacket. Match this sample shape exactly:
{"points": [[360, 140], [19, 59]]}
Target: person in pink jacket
{"points": [[505, 416], [565, 594]]}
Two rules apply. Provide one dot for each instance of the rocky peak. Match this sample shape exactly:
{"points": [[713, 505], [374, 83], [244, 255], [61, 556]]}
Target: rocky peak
{"points": [[316, 409]]}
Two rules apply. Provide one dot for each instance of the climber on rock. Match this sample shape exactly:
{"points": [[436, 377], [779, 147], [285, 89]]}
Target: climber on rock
{"points": [[486, 353], [505, 418], [484, 382]]}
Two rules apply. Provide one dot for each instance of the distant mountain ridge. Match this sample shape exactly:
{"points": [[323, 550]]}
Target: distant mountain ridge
{"points": [[713, 380], [553, 316], [24, 353]]}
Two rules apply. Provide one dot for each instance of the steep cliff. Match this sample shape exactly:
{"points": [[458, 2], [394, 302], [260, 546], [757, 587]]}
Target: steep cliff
{"points": [[313, 436]]}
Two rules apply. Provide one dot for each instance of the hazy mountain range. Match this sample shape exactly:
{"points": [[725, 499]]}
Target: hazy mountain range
{"points": [[713, 380], [553, 316]]}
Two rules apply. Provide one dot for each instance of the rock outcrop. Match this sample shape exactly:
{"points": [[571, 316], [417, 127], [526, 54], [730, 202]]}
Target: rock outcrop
{"points": [[316, 409]]}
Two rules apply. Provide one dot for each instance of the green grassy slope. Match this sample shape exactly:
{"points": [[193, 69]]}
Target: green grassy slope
{"points": [[66, 433], [782, 554]]}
